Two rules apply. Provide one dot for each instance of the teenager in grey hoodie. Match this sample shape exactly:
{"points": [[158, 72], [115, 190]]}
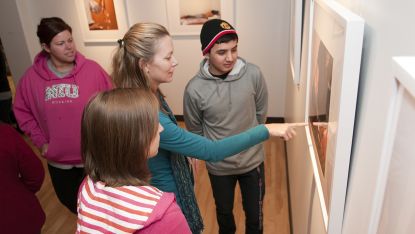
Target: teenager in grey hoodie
{"points": [[228, 96]]}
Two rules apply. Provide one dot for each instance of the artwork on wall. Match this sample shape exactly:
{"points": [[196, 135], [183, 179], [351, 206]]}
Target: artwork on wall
{"points": [[319, 99], [334, 63], [102, 20], [296, 29], [186, 17]]}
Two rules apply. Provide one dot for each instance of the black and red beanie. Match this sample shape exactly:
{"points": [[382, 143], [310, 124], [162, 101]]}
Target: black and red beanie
{"points": [[211, 31]]}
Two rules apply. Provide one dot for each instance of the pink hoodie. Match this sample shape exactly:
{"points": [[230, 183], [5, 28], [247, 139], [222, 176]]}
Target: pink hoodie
{"points": [[49, 108]]}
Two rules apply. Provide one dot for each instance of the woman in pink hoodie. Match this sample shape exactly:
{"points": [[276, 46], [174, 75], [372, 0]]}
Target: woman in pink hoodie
{"points": [[49, 101], [120, 131]]}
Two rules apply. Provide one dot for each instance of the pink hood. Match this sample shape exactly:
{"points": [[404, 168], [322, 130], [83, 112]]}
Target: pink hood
{"points": [[40, 66], [49, 108]]}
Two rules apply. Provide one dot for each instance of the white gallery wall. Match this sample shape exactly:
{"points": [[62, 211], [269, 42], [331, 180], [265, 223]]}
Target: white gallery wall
{"points": [[262, 27], [388, 33], [12, 34]]}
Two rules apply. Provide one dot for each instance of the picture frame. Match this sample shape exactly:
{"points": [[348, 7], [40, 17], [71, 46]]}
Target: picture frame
{"points": [[102, 21], [393, 201], [186, 17], [296, 30], [336, 36]]}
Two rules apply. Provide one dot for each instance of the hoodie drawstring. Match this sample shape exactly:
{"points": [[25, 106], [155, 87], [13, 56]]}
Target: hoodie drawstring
{"points": [[229, 95]]}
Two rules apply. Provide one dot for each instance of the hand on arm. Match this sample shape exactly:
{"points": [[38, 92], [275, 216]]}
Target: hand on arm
{"points": [[44, 149], [194, 163], [284, 130]]}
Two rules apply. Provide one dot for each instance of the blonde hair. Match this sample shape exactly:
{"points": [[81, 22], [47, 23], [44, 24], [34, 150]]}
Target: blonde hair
{"points": [[138, 43], [116, 133]]}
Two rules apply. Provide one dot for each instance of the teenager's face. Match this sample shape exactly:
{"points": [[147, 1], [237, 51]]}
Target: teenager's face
{"points": [[62, 48], [222, 57], [160, 69], [154, 145]]}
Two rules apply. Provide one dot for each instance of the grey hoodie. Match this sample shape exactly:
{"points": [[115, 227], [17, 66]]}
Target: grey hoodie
{"points": [[218, 108]]}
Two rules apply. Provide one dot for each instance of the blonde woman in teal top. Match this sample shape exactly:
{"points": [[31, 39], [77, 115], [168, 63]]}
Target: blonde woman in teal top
{"points": [[176, 139], [144, 59]]}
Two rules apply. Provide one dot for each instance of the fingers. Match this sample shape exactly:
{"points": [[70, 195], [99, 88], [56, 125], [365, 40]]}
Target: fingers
{"points": [[293, 133], [297, 124], [285, 130], [289, 133], [287, 136], [320, 124]]}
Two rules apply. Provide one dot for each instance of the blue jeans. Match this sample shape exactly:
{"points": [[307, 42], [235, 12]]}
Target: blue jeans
{"points": [[252, 186]]}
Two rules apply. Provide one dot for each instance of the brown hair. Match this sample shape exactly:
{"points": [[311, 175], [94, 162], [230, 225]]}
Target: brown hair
{"points": [[116, 132], [49, 27], [138, 44]]}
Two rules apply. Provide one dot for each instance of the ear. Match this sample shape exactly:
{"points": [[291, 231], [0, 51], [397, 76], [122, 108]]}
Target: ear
{"points": [[45, 47], [143, 66]]}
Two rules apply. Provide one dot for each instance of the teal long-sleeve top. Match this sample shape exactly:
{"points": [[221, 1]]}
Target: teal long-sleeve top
{"points": [[176, 139]]}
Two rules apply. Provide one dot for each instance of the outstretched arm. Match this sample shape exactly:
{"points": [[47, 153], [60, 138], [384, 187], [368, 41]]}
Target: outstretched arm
{"points": [[284, 130], [178, 140]]}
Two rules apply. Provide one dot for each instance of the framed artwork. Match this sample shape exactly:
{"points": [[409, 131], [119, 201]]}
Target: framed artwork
{"points": [[186, 17], [394, 205], [102, 20], [296, 29], [333, 76]]}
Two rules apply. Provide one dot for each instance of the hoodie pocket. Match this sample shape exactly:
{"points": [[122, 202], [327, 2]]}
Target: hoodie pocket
{"points": [[63, 150]]}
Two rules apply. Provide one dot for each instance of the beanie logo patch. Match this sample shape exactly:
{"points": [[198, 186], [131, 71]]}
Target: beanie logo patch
{"points": [[225, 25]]}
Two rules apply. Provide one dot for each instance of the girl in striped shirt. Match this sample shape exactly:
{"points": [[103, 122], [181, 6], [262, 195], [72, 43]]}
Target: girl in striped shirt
{"points": [[120, 131]]}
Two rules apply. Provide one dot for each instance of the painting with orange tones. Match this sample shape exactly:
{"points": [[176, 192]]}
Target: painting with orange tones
{"points": [[102, 20], [319, 105], [101, 15]]}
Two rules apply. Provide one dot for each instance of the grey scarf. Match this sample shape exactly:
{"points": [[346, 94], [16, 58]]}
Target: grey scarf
{"points": [[183, 177]]}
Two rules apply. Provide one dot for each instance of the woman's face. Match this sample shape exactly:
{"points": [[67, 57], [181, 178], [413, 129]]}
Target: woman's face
{"points": [[160, 69], [62, 48], [154, 145]]}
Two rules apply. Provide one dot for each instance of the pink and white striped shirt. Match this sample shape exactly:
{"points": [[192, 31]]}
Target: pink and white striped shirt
{"points": [[127, 209]]}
